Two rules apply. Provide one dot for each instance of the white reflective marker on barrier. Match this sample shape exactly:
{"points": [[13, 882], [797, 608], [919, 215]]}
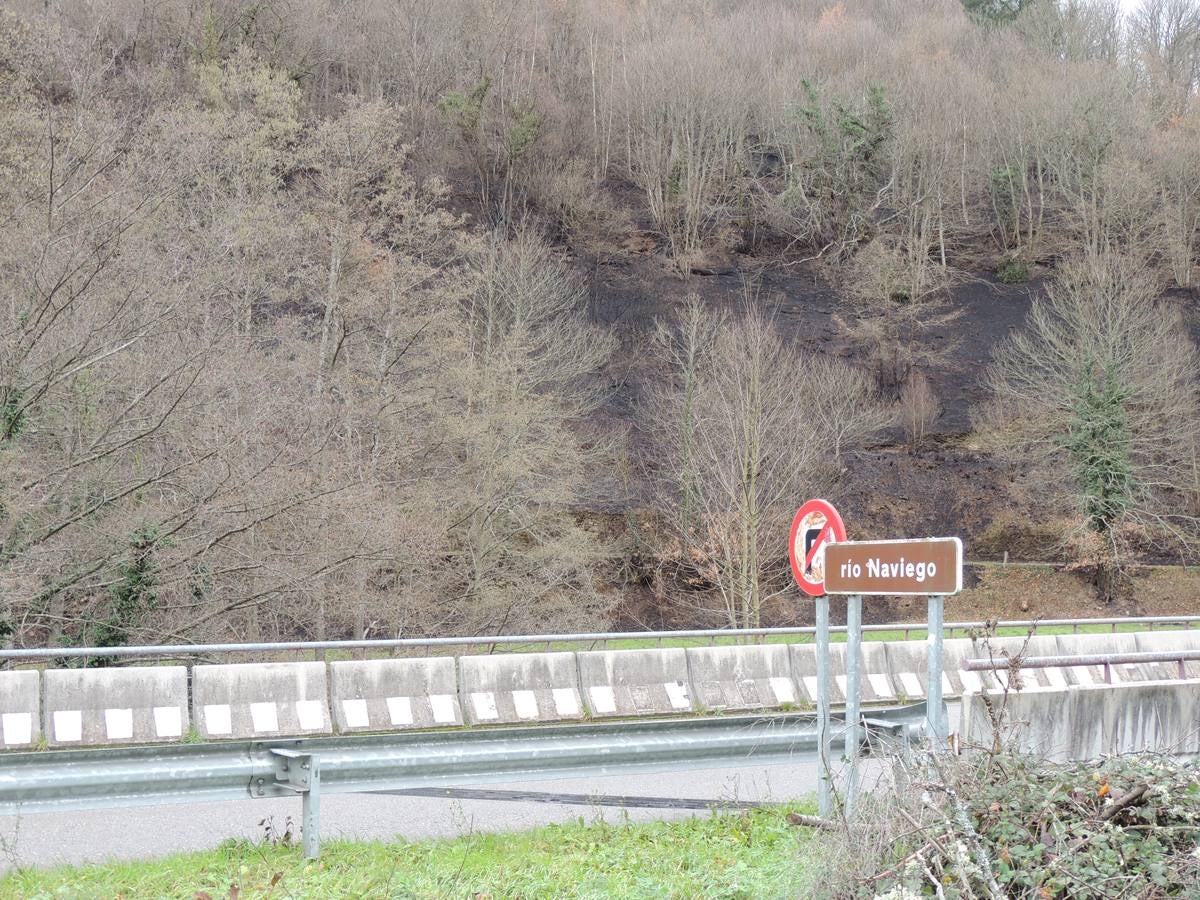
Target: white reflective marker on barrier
{"points": [[880, 685], [20, 708], [264, 717], [311, 714], [603, 699], [68, 725], [566, 701], [17, 728], [442, 706], [118, 724], [399, 710], [525, 703], [218, 718], [678, 693], [784, 690], [168, 721], [355, 712], [485, 705]]}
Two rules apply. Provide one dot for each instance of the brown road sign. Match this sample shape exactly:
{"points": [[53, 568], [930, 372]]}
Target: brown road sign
{"points": [[931, 566]]}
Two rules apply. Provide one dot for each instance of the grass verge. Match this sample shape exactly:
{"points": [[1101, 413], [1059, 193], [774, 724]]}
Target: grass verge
{"points": [[914, 634], [728, 855]]}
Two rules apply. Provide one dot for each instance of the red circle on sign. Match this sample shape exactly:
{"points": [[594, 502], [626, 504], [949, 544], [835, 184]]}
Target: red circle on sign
{"points": [[816, 524]]}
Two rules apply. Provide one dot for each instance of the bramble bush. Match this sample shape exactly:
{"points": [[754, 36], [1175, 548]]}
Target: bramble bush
{"points": [[1013, 825]]}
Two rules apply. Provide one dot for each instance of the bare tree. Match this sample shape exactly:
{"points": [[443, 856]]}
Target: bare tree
{"points": [[1175, 159], [686, 348], [528, 377], [736, 453], [1164, 37], [354, 157], [234, 145]]}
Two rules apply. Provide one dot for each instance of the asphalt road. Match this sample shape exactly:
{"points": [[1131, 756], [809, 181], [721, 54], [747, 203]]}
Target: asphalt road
{"points": [[47, 839]]}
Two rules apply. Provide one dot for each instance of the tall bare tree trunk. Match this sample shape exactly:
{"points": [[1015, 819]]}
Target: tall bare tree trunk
{"points": [[336, 251]]}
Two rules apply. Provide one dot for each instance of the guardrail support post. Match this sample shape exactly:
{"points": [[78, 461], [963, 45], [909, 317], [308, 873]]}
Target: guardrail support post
{"points": [[310, 827], [301, 772]]}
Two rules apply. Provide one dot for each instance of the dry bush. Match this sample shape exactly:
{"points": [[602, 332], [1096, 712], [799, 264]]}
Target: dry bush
{"points": [[901, 298], [684, 133], [998, 823], [834, 159], [563, 192], [919, 407], [986, 818]]}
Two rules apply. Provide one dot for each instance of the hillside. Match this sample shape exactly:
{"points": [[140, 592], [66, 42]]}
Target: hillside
{"points": [[339, 319]]}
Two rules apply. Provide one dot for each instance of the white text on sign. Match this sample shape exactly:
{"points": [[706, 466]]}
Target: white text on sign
{"points": [[878, 568]]}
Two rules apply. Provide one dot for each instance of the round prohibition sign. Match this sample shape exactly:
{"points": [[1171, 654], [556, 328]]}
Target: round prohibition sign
{"points": [[816, 524]]}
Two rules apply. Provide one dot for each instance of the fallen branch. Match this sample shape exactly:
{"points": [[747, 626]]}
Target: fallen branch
{"points": [[811, 822], [900, 866], [1124, 802]]}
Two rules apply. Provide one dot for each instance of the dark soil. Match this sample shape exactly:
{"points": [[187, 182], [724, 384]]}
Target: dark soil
{"points": [[945, 486]]}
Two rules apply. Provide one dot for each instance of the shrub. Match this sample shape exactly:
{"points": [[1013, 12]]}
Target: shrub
{"points": [[1012, 271], [1010, 825], [919, 407]]}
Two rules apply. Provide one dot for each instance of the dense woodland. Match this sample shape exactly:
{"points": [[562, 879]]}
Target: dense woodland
{"points": [[305, 330]]}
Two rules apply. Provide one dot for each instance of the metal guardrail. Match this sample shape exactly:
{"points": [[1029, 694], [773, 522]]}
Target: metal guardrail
{"points": [[133, 776], [1107, 660], [602, 638]]}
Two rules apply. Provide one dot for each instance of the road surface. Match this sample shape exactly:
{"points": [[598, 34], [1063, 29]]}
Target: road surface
{"points": [[47, 839]]}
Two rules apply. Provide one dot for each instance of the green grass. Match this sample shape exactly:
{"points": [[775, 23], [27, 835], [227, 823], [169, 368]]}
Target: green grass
{"points": [[727, 855], [916, 634]]}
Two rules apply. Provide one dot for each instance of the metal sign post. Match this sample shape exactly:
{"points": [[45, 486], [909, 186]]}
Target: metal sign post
{"points": [[824, 802], [853, 668], [933, 695]]}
